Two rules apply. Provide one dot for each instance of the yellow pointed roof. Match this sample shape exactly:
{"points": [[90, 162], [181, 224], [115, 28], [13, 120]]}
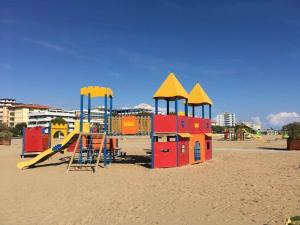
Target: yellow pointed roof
{"points": [[170, 89], [198, 96]]}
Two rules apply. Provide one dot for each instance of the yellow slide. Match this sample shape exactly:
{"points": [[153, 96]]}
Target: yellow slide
{"points": [[254, 136], [57, 148]]}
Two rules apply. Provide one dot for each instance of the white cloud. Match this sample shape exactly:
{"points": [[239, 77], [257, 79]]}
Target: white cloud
{"points": [[257, 120], [283, 118]]}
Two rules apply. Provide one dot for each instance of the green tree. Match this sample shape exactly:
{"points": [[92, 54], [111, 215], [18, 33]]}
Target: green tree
{"points": [[218, 129], [58, 120], [17, 130], [293, 130]]}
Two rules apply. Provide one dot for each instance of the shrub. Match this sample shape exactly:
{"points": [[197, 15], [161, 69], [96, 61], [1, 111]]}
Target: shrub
{"points": [[293, 130], [6, 135], [59, 120]]}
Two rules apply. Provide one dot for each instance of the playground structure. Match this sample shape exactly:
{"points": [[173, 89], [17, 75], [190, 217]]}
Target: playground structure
{"points": [[240, 133], [88, 146], [178, 140], [35, 140], [130, 125]]}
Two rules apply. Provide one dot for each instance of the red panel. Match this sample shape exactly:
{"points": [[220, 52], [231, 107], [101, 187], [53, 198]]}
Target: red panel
{"points": [[45, 141], [33, 140], [198, 125], [164, 154], [165, 123], [208, 148], [183, 124], [183, 152]]}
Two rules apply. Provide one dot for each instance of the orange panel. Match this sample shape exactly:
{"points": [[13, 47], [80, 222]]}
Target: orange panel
{"points": [[129, 125], [200, 138]]}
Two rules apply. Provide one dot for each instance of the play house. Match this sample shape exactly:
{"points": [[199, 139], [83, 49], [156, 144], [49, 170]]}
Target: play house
{"points": [[178, 138]]}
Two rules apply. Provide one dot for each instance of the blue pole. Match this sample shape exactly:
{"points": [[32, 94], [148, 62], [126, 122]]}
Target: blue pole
{"points": [[176, 113], [210, 112], [89, 108], [156, 106], [168, 107], [81, 127], [105, 130], [89, 139], [186, 107], [23, 142], [110, 113], [203, 112], [110, 128]]}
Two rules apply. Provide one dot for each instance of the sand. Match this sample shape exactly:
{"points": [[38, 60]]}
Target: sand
{"points": [[245, 183]]}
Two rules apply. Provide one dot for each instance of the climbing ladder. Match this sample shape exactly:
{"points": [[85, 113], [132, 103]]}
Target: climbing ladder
{"points": [[87, 151]]}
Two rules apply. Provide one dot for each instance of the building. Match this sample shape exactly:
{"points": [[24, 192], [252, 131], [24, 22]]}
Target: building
{"points": [[252, 125], [6, 111], [97, 115], [21, 112], [139, 109], [226, 119], [43, 118]]}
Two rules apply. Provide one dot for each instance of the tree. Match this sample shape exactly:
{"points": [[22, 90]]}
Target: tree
{"points": [[58, 120], [18, 129], [293, 130], [218, 129]]}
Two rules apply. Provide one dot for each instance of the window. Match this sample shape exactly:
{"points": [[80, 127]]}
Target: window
{"points": [[207, 145], [183, 148]]}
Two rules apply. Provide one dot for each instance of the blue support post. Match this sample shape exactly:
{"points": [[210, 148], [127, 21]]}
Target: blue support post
{"points": [[210, 112], [110, 113], [89, 139], [23, 142], [110, 128], [203, 114], [89, 107], [156, 106], [186, 107], [168, 107], [81, 127], [176, 113], [50, 134], [105, 130]]}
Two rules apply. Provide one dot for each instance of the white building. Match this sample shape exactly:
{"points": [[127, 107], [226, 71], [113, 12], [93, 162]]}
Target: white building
{"points": [[226, 119], [43, 118], [252, 125]]}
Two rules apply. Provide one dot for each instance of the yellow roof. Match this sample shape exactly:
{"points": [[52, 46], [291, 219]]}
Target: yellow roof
{"points": [[198, 96], [184, 135], [170, 89], [96, 91]]}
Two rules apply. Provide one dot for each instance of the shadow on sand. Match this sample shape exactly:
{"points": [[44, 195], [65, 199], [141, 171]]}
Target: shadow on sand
{"points": [[274, 149]]}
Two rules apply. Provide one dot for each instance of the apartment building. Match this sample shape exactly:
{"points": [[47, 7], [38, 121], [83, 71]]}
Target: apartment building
{"points": [[21, 112], [226, 119], [43, 118]]}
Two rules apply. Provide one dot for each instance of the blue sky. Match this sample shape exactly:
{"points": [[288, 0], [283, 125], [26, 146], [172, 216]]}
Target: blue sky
{"points": [[245, 54]]}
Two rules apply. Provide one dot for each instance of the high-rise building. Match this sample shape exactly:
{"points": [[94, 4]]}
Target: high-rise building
{"points": [[226, 119]]}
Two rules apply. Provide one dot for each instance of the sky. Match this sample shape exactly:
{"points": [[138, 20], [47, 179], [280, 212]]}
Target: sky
{"points": [[245, 54]]}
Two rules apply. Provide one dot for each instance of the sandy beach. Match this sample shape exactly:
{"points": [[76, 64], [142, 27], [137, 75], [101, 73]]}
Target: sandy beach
{"points": [[248, 182]]}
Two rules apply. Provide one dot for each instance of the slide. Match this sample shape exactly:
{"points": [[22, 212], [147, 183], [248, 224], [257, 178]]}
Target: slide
{"points": [[254, 136], [50, 151], [70, 138]]}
